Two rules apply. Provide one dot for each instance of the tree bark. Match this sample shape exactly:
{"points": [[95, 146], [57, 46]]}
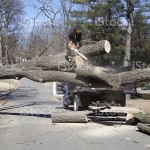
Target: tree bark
{"points": [[50, 76], [127, 56], [100, 74], [143, 118], [84, 75], [58, 62], [69, 117], [101, 48], [138, 117], [143, 128], [88, 76], [134, 76], [130, 9]]}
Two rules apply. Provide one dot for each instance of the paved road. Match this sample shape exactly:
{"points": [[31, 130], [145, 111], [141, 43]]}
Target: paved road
{"points": [[34, 130]]}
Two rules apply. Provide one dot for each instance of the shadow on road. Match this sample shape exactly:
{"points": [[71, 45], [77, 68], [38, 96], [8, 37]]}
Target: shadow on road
{"points": [[17, 106], [27, 114], [3, 94]]}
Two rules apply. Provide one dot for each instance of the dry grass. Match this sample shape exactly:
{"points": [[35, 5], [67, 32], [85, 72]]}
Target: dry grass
{"points": [[3, 102], [8, 85]]}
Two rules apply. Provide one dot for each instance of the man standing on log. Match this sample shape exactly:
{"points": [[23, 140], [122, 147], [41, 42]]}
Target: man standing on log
{"points": [[74, 42]]}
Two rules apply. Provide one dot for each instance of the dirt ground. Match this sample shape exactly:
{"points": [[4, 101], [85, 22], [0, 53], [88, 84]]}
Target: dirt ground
{"points": [[141, 104]]}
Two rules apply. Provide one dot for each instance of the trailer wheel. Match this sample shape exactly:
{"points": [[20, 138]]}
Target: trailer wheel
{"points": [[76, 103], [65, 106]]}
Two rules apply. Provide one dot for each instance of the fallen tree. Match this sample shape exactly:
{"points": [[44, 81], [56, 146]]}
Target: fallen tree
{"points": [[138, 118], [143, 128], [51, 68], [141, 120], [57, 62]]}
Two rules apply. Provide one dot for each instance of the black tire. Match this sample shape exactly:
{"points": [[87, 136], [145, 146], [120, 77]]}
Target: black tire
{"points": [[76, 103]]}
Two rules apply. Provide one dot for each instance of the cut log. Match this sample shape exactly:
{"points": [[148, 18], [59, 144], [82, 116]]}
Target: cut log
{"points": [[101, 47], [138, 117], [69, 117], [78, 61], [143, 128]]}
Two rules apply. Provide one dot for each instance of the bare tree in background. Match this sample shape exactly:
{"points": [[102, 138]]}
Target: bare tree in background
{"points": [[38, 39], [67, 6], [12, 13], [130, 9], [46, 33]]}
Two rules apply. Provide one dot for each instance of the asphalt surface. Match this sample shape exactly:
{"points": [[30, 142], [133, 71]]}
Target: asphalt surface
{"points": [[25, 123]]}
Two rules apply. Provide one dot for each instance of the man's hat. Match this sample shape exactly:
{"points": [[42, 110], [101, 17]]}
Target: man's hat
{"points": [[77, 28]]}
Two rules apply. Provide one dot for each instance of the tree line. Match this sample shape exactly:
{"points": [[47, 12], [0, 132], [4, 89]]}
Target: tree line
{"points": [[124, 23]]}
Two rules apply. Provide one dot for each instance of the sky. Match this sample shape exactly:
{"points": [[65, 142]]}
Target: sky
{"points": [[31, 12]]}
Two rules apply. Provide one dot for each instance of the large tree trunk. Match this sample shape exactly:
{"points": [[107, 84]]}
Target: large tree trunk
{"points": [[134, 76], [130, 9], [94, 77], [138, 117], [46, 69], [98, 73], [127, 56]]}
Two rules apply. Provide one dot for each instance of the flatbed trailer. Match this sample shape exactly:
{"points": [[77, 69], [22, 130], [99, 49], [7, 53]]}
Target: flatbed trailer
{"points": [[82, 98]]}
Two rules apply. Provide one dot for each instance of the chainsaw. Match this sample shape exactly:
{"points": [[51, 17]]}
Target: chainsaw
{"points": [[74, 47], [77, 52]]}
